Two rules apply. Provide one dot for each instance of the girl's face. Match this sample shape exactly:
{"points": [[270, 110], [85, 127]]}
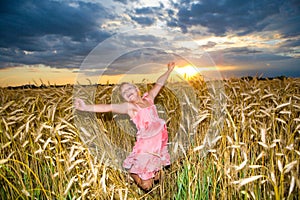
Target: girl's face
{"points": [[129, 92]]}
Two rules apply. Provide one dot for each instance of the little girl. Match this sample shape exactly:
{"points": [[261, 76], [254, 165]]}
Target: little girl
{"points": [[150, 151]]}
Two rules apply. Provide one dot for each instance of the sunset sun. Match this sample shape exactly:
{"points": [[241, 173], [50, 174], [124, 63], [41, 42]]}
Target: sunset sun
{"points": [[187, 71]]}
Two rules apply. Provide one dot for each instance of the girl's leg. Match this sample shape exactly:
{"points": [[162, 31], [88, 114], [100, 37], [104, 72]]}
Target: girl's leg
{"points": [[144, 184], [136, 178], [147, 184], [157, 176]]}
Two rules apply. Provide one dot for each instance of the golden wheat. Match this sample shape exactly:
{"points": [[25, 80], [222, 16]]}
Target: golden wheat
{"points": [[46, 152]]}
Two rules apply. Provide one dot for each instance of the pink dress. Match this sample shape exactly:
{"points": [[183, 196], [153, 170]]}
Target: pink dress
{"points": [[150, 151]]}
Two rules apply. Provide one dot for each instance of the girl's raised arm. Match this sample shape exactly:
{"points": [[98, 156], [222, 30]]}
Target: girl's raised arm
{"points": [[161, 81], [116, 108]]}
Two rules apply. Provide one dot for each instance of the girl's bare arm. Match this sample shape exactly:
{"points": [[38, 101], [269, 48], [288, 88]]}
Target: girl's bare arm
{"points": [[161, 81], [116, 108]]}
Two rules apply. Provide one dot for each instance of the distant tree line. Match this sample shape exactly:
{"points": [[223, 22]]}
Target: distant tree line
{"points": [[42, 86], [249, 78]]}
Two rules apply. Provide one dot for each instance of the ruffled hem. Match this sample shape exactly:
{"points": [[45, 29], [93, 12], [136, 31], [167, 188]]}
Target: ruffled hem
{"points": [[145, 168]]}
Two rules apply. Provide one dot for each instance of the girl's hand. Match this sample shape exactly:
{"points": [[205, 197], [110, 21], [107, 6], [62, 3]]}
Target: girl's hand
{"points": [[79, 104], [171, 66]]}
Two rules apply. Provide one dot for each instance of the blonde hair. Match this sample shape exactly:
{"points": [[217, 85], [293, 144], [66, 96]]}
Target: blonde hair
{"points": [[127, 83]]}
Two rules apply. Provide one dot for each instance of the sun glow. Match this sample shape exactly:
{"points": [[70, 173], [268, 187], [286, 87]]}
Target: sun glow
{"points": [[187, 71]]}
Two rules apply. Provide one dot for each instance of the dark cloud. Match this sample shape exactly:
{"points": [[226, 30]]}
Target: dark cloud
{"points": [[125, 2], [240, 17], [240, 50], [147, 16], [245, 57], [144, 11], [121, 1], [146, 21], [290, 43], [53, 32], [286, 67], [209, 44]]}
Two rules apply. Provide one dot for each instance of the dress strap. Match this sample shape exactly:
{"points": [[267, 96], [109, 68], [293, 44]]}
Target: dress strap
{"points": [[146, 96]]}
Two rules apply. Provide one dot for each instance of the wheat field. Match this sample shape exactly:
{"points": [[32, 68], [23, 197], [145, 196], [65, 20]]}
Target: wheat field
{"points": [[254, 154]]}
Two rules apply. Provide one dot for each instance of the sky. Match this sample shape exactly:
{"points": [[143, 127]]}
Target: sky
{"points": [[57, 41]]}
